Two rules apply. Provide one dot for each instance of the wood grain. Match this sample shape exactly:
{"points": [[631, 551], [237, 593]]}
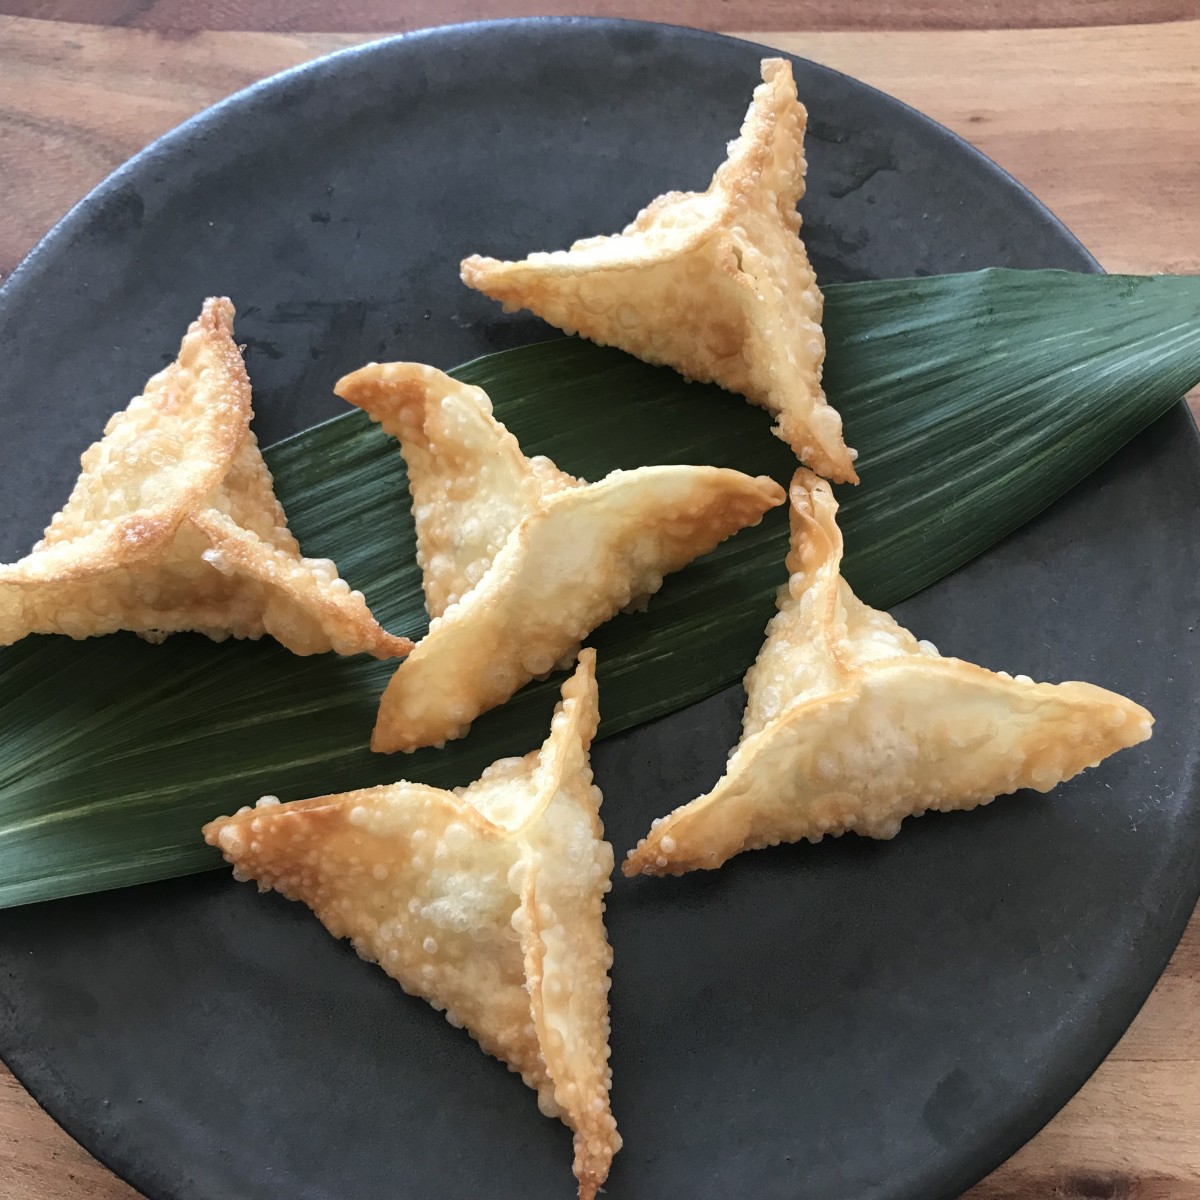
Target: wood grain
{"points": [[375, 15], [1102, 123], [75, 102]]}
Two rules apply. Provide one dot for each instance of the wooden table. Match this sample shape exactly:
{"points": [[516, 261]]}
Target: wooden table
{"points": [[1094, 104]]}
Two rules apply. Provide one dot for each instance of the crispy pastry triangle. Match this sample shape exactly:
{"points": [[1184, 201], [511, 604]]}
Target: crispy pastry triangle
{"points": [[852, 724], [521, 561], [716, 284], [173, 525], [488, 902]]}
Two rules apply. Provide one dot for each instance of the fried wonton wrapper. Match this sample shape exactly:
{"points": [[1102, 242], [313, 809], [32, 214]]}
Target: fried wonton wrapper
{"points": [[715, 284], [488, 902], [852, 724], [173, 525], [520, 560]]}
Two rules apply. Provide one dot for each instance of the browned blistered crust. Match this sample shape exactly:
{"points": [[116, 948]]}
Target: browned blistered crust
{"points": [[716, 284], [487, 902], [521, 561], [852, 724], [173, 525]]}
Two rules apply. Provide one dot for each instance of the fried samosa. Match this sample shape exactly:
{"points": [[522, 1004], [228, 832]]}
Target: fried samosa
{"points": [[716, 284], [852, 724], [488, 902], [173, 525], [520, 560]]}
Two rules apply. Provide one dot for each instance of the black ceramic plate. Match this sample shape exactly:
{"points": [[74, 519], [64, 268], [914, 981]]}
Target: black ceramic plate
{"points": [[851, 1020]]}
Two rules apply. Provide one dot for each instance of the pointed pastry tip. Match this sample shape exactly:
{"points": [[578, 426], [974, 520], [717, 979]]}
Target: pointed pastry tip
{"points": [[488, 902], [173, 525], [851, 724], [519, 560], [717, 285]]}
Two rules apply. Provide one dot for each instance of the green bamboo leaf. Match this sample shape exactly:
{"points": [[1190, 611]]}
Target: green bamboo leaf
{"points": [[975, 400]]}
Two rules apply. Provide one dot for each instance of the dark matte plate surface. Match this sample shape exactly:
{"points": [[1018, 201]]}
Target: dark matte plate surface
{"points": [[852, 1020]]}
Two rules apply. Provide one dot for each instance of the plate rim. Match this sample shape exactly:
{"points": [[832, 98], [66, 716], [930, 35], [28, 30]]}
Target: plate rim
{"points": [[214, 112]]}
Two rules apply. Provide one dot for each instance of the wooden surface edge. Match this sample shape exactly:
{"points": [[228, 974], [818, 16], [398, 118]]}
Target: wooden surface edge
{"points": [[361, 15], [76, 102]]}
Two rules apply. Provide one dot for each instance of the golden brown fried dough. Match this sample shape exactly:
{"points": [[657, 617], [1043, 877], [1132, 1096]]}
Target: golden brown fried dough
{"points": [[716, 284], [471, 484], [521, 561], [488, 902], [852, 724], [173, 525]]}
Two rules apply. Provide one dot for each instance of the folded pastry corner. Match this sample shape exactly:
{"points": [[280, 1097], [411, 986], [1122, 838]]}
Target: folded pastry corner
{"points": [[853, 724], [487, 902], [520, 560], [174, 525], [716, 284]]}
